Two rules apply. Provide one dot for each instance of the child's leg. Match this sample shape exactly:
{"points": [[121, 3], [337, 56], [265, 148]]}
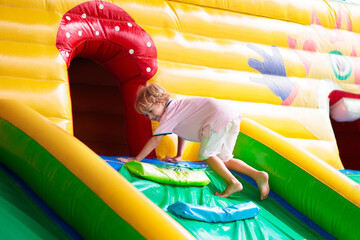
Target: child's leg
{"points": [[261, 178], [233, 185]]}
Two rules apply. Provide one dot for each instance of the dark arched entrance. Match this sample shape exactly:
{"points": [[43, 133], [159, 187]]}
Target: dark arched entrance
{"points": [[97, 107]]}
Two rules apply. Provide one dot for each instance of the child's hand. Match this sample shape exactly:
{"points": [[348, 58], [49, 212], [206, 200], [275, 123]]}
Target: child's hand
{"points": [[125, 160], [172, 159]]}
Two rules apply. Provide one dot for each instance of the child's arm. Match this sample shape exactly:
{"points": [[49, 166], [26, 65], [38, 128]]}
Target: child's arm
{"points": [[181, 147], [149, 146], [180, 151]]}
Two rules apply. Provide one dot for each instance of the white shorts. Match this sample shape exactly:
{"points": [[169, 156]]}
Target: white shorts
{"points": [[220, 144]]}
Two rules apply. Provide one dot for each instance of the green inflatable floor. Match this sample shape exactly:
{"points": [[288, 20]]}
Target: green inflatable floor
{"points": [[273, 221], [21, 217]]}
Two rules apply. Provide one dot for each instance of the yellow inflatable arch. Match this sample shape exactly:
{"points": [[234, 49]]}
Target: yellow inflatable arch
{"points": [[79, 64]]}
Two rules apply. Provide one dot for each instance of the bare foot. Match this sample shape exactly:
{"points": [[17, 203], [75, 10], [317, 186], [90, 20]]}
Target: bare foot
{"points": [[230, 189], [262, 181]]}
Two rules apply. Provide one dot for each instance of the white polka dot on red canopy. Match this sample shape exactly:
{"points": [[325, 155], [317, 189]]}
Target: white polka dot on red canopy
{"points": [[91, 20]]}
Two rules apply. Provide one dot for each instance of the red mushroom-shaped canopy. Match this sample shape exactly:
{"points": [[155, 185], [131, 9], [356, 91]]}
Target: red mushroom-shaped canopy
{"points": [[105, 33], [97, 20]]}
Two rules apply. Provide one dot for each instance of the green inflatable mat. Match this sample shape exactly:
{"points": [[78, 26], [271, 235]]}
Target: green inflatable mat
{"points": [[167, 176], [272, 222]]}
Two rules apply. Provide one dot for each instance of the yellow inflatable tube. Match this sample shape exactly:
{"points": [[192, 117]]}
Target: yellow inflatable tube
{"points": [[304, 160]]}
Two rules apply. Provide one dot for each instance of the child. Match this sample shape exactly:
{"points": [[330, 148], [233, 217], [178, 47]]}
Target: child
{"points": [[200, 119]]}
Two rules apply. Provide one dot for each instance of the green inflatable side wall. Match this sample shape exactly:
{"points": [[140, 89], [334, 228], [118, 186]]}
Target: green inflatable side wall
{"points": [[59, 188], [314, 199]]}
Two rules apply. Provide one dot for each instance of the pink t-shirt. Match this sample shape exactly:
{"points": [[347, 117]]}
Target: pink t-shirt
{"points": [[187, 117]]}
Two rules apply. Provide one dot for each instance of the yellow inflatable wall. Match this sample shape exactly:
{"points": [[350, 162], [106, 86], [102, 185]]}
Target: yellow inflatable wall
{"points": [[275, 61]]}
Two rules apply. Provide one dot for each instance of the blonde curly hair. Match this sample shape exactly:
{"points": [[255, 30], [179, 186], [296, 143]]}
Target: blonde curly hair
{"points": [[149, 95]]}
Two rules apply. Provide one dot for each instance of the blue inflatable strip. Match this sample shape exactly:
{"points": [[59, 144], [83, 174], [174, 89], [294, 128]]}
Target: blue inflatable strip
{"points": [[214, 214], [116, 164], [349, 171]]}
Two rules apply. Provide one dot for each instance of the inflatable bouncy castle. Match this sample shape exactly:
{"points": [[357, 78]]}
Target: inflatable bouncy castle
{"points": [[69, 74]]}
